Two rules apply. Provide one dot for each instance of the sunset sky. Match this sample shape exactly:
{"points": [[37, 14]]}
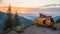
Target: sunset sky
{"points": [[32, 6]]}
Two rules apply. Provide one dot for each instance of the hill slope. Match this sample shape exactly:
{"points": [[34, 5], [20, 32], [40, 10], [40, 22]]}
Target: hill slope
{"points": [[23, 20], [56, 18]]}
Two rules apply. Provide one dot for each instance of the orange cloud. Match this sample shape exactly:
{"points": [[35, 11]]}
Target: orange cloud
{"points": [[26, 10], [13, 9]]}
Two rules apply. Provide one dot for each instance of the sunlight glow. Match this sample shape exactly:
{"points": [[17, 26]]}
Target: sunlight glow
{"points": [[29, 6]]}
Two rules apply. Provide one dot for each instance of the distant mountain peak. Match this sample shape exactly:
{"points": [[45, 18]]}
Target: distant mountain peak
{"points": [[25, 17], [56, 18]]}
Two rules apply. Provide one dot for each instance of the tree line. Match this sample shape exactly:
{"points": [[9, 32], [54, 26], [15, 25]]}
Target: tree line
{"points": [[11, 20]]}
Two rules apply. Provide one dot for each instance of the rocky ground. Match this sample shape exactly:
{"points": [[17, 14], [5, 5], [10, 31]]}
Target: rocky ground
{"points": [[39, 30], [33, 29]]}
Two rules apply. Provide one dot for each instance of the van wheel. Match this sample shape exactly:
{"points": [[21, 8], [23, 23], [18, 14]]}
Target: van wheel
{"points": [[38, 24], [49, 26], [54, 28]]}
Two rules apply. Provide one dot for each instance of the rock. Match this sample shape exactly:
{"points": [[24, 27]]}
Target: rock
{"points": [[12, 32], [19, 29]]}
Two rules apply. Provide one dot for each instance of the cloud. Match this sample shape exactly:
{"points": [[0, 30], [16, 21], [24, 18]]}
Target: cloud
{"points": [[54, 9], [37, 10], [51, 5], [47, 11], [0, 1]]}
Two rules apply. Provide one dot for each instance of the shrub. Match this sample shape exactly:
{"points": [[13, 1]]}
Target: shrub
{"points": [[18, 29], [12, 32]]}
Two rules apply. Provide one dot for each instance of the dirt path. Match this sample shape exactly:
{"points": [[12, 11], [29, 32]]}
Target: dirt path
{"points": [[39, 30]]}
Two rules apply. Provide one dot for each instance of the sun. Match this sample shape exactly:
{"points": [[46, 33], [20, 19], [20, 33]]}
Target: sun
{"points": [[22, 12]]}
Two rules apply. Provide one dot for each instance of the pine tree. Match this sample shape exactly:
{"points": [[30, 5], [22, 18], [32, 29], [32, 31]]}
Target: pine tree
{"points": [[8, 22], [16, 20]]}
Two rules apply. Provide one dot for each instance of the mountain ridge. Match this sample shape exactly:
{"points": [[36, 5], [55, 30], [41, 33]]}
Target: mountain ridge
{"points": [[22, 20], [56, 18]]}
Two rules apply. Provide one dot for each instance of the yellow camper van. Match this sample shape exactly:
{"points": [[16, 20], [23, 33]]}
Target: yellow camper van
{"points": [[43, 21]]}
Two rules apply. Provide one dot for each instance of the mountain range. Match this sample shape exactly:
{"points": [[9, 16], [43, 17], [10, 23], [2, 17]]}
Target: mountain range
{"points": [[56, 18], [23, 20]]}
